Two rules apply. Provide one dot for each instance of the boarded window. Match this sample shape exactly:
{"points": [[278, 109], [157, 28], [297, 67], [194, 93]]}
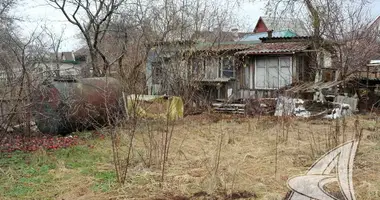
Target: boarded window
{"points": [[273, 72]]}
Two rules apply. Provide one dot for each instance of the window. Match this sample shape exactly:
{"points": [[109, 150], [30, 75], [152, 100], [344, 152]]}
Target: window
{"points": [[273, 72], [156, 72], [198, 66], [227, 68], [246, 76], [285, 71]]}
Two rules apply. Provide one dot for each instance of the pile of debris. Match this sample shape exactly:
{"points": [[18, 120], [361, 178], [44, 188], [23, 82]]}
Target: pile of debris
{"points": [[263, 106], [342, 106], [252, 107], [320, 107]]}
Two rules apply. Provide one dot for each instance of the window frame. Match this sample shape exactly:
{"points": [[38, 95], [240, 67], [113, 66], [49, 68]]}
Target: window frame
{"points": [[157, 79], [221, 66], [278, 72]]}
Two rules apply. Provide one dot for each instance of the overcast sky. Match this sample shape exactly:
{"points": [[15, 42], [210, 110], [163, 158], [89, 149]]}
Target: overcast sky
{"points": [[39, 13]]}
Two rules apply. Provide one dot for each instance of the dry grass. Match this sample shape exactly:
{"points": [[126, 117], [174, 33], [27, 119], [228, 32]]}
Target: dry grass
{"points": [[247, 160], [248, 157]]}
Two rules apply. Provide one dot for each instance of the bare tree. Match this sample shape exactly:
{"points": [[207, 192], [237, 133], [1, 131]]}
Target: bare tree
{"points": [[55, 41], [92, 18], [341, 24], [143, 28]]}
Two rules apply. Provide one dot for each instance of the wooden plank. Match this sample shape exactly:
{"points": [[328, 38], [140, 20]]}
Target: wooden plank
{"points": [[228, 105]]}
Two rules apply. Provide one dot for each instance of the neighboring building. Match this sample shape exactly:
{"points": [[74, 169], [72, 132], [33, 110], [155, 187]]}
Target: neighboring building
{"points": [[65, 65], [375, 26], [369, 40], [265, 24]]}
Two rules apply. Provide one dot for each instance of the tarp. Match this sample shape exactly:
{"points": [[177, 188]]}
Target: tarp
{"points": [[151, 106]]}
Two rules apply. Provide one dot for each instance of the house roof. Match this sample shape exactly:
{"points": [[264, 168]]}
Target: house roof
{"points": [[217, 36], [68, 56], [281, 39], [257, 36], [375, 24], [272, 48], [281, 24], [226, 46], [82, 51]]}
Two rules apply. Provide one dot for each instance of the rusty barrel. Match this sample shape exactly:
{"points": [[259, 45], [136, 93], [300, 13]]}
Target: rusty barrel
{"points": [[65, 106]]}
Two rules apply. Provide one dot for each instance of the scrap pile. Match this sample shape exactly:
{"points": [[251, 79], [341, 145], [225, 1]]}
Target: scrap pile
{"points": [[314, 109], [264, 106]]}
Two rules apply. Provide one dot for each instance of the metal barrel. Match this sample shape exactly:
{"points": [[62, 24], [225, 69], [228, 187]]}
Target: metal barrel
{"points": [[65, 106]]}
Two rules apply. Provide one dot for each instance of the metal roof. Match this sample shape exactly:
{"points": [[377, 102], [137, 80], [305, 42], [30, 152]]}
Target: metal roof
{"points": [[257, 36], [226, 46], [270, 48], [275, 39]]}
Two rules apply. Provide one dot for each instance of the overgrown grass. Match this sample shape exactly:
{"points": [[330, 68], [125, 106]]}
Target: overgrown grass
{"points": [[245, 156], [49, 174]]}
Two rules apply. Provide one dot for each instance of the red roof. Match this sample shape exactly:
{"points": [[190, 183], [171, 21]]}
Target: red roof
{"points": [[270, 48]]}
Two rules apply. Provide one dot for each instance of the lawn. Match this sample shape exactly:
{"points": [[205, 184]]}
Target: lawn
{"points": [[211, 156]]}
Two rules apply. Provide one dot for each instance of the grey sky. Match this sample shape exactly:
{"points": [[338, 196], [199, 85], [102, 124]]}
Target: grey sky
{"points": [[39, 13]]}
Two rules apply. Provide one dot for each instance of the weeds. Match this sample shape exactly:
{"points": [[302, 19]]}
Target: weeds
{"points": [[42, 174], [220, 154]]}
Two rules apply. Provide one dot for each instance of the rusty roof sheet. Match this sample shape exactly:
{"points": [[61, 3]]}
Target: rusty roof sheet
{"points": [[279, 47]]}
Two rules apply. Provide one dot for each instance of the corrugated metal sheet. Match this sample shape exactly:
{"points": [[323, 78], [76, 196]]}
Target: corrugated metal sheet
{"points": [[257, 36], [225, 46], [269, 48]]}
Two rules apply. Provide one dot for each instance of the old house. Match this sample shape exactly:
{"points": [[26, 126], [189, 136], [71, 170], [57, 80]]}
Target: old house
{"points": [[254, 66]]}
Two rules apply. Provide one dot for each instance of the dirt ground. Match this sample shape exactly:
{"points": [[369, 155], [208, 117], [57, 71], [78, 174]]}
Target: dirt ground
{"points": [[215, 156]]}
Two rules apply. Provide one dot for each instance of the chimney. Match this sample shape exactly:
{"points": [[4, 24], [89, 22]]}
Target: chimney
{"points": [[270, 33], [235, 33]]}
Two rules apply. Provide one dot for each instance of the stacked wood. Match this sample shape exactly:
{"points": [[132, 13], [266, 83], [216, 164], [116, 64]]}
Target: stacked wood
{"points": [[233, 108]]}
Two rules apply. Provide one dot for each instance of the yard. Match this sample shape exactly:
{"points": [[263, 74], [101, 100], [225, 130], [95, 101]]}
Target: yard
{"points": [[211, 156]]}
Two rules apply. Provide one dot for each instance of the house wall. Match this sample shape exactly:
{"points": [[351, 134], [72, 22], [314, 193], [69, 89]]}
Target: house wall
{"points": [[209, 69], [165, 71]]}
